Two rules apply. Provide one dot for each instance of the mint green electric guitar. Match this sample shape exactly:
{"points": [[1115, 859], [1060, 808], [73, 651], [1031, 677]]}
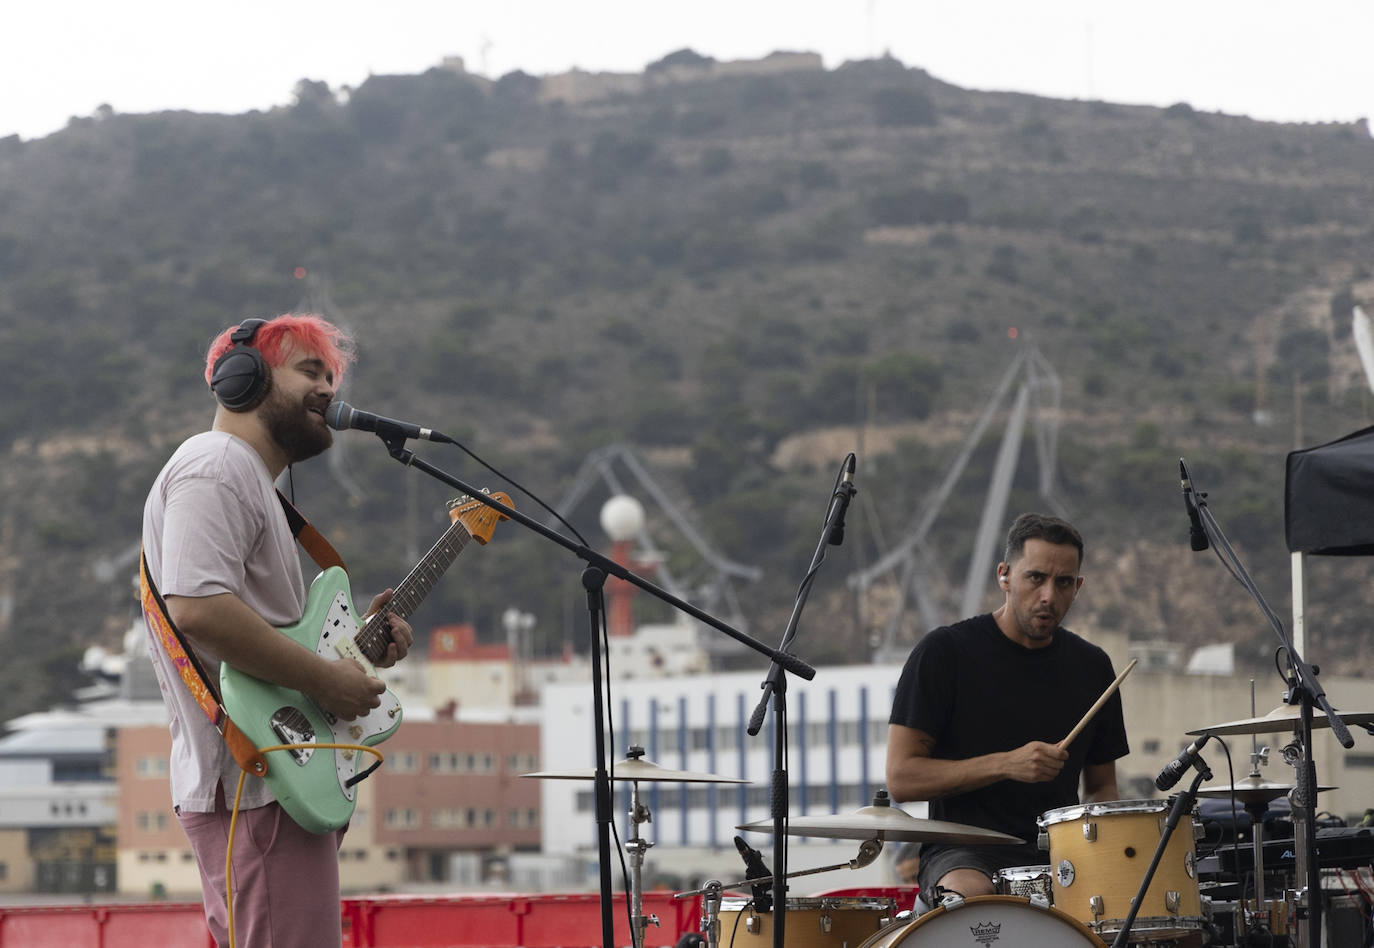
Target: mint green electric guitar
{"points": [[317, 786]]}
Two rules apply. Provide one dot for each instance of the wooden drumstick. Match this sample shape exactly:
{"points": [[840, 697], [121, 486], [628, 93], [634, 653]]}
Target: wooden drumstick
{"points": [[1111, 689]]}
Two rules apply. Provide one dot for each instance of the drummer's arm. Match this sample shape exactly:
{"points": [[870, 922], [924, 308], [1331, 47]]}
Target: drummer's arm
{"points": [[913, 774], [1099, 783]]}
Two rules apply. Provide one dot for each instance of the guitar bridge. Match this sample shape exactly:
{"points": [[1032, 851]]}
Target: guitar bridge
{"points": [[292, 727]]}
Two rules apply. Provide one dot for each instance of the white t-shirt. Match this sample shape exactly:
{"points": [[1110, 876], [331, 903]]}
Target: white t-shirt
{"points": [[213, 524]]}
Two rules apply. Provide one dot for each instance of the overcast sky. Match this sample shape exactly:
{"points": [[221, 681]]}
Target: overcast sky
{"points": [[1289, 62]]}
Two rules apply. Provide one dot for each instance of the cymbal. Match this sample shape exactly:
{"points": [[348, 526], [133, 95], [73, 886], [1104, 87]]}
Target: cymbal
{"points": [[885, 822], [637, 769], [1285, 718], [1253, 789]]}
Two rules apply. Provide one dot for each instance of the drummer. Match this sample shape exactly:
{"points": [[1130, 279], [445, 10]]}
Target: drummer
{"points": [[982, 704]]}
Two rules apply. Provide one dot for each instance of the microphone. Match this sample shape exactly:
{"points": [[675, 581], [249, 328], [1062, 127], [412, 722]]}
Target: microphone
{"points": [[1175, 768], [843, 493], [1197, 537], [754, 868], [341, 416]]}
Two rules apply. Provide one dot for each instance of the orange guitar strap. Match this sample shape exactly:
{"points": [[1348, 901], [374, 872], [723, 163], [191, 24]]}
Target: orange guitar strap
{"points": [[311, 539], [184, 657], [193, 674]]}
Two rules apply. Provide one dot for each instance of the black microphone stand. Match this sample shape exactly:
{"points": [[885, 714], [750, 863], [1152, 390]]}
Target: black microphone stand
{"points": [[1183, 803], [593, 579], [775, 687], [1305, 691]]}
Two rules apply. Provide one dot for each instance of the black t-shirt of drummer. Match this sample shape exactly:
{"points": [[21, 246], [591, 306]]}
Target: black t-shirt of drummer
{"points": [[977, 692]]}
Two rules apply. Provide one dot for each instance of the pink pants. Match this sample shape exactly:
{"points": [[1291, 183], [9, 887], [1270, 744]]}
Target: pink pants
{"points": [[286, 880]]}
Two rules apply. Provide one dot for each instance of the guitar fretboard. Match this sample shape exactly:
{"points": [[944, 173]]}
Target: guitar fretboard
{"points": [[375, 637]]}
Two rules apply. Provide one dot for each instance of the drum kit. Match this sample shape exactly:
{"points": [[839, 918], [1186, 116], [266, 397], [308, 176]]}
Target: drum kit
{"points": [[1085, 895]]}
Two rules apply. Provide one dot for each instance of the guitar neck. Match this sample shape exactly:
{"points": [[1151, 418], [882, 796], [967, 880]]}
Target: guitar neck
{"points": [[375, 637]]}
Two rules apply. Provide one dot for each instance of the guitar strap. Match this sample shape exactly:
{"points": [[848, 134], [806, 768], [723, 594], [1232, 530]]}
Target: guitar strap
{"points": [[193, 674], [311, 539], [184, 657]]}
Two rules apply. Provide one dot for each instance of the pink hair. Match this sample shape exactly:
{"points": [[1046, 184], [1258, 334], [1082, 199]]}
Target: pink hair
{"points": [[308, 332]]}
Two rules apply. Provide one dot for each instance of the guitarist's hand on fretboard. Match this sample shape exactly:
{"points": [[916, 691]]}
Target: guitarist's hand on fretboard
{"points": [[398, 630]]}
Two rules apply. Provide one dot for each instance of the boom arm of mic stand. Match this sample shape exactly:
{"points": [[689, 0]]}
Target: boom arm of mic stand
{"points": [[1306, 678], [868, 851], [835, 515]]}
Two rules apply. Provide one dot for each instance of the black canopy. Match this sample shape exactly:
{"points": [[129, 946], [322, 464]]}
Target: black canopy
{"points": [[1328, 497]]}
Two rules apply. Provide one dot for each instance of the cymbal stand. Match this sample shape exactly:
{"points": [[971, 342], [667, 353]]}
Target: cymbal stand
{"points": [[637, 846], [1256, 809]]}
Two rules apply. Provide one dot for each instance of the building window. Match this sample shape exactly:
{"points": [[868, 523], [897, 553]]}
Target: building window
{"points": [[149, 767], [1359, 760], [403, 762], [152, 821], [523, 819], [402, 818], [1150, 747], [449, 818], [523, 763]]}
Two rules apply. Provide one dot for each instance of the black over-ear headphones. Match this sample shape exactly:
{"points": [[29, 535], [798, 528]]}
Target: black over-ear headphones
{"points": [[241, 377]]}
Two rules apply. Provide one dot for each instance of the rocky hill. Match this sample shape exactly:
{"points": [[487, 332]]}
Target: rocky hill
{"points": [[741, 275]]}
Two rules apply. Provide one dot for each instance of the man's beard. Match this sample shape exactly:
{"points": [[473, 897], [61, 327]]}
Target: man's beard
{"points": [[295, 429]]}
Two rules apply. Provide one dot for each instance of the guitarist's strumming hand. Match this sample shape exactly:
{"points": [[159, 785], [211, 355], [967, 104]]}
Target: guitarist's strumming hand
{"points": [[402, 637], [347, 691]]}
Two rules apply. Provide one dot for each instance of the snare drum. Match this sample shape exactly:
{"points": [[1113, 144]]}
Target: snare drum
{"points": [[988, 921], [1026, 882], [1099, 853], [811, 923]]}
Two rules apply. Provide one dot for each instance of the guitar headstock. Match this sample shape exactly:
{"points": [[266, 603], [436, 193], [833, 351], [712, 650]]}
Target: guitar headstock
{"points": [[479, 519]]}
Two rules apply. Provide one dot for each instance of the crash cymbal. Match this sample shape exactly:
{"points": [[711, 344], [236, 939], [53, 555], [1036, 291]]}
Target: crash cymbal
{"points": [[637, 769], [885, 822], [1284, 718], [1253, 789]]}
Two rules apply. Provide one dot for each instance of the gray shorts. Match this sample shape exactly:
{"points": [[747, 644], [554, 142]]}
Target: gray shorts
{"points": [[938, 860]]}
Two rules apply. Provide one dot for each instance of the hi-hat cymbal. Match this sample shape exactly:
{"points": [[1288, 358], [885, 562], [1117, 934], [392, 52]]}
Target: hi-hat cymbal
{"points": [[1253, 789], [1284, 718], [637, 769], [885, 822]]}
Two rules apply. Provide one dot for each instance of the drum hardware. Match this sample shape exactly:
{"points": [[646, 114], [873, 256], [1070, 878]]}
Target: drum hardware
{"points": [[1255, 794], [635, 769], [823, 922], [988, 920], [1172, 899], [1028, 882], [868, 851], [637, 846], [1285, 719], [886, 822], [710, 913], [1095, 854]]}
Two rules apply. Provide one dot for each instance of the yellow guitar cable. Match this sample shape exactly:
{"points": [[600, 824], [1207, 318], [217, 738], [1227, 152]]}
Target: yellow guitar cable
{"points": [[234, 817]]}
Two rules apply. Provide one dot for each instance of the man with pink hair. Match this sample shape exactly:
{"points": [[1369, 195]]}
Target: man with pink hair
{"points": [[220, 550]]}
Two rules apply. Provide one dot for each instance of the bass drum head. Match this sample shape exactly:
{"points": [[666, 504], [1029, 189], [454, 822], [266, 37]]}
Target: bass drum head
{"points": [[989, 921]]}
